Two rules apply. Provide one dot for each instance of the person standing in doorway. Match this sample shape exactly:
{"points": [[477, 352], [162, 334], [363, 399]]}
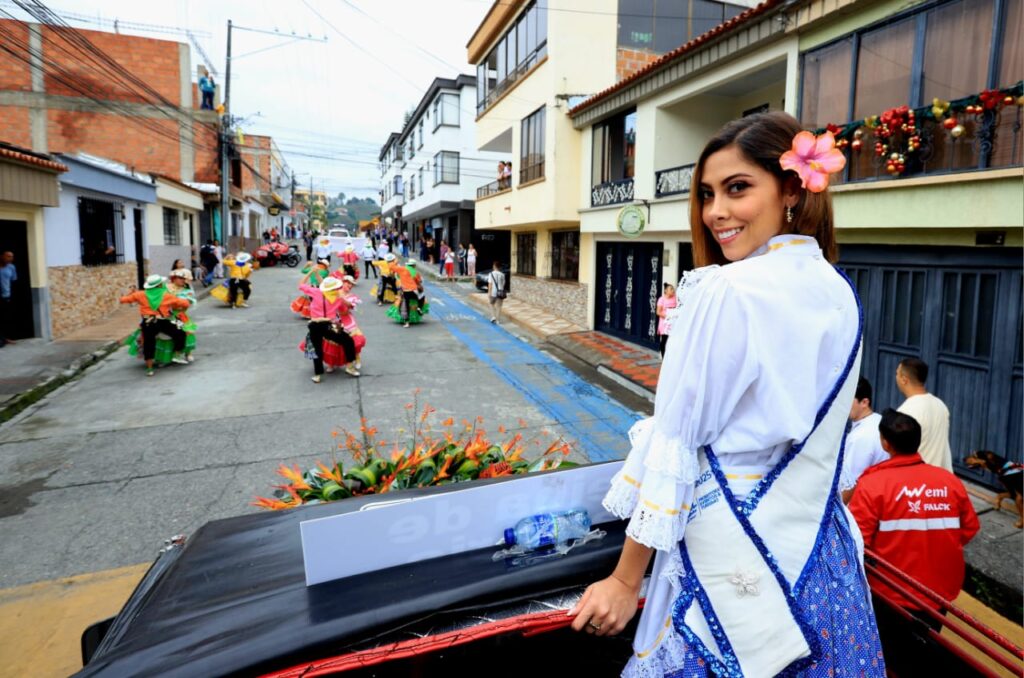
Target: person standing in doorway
{"points": [[496, 291], [8, 276], [471, 261], [930, 412], [218, 251], [207, 87], [666, 303]]}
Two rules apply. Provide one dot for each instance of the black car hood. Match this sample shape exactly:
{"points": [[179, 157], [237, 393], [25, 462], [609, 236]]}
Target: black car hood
{"points": [[234, 600]]}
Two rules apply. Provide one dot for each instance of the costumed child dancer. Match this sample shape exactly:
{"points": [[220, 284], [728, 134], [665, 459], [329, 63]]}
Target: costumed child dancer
{"points": [[156, 306], [179, 285], [315, 276], [327, 305], [349, 261], [387, 289], [730, 486], [411, 305], [239, 270]]}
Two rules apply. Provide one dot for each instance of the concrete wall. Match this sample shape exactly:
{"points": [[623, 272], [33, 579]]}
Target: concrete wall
{"points": [[82, 294]]}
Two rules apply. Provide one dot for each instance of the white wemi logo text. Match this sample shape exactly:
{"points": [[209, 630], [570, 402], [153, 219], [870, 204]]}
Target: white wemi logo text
{"points": [[924, 490]]}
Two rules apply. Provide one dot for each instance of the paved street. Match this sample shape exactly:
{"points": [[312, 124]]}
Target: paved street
{"points": [[100, 472]]}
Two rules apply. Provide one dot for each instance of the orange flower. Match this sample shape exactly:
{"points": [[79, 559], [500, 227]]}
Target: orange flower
{"points": [[510, 444], [294, 475], [330, 474], [448, 422], [501, 429], [272, 504]]}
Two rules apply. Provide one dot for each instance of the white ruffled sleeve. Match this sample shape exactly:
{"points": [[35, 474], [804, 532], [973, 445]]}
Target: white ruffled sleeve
{"points": [[710, 363]]}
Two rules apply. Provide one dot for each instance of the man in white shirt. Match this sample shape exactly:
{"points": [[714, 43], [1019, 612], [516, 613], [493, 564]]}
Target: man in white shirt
{"points": [[929, 411], [863, 442]]}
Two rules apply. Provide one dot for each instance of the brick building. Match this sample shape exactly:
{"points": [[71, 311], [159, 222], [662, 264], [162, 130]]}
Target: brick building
{"points": [[131, 100]]}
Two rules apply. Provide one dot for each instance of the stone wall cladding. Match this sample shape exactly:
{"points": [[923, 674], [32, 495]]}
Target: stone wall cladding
{"points": [[565, 299], [79, 295]]}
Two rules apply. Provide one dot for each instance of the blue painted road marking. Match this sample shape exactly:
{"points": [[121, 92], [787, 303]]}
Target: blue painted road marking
{"points": [[598, 423]]}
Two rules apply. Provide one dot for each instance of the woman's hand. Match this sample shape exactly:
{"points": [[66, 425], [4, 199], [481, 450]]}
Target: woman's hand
{"points": [[606, 607]]}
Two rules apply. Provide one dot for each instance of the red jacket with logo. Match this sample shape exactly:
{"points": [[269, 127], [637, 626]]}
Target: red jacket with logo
{"points": [[918, 517]]}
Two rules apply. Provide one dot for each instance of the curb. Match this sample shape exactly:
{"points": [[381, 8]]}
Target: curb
{"points": [[18, 403]]}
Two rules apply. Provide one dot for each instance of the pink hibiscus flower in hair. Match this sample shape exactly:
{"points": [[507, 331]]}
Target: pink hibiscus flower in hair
{"points": [[813, 159]]}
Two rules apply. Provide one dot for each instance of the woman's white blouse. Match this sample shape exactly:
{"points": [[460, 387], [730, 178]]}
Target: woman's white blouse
{"points": [[756, 347]]}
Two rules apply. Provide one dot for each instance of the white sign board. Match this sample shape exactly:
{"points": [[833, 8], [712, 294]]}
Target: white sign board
{"points": [[400, 530]]}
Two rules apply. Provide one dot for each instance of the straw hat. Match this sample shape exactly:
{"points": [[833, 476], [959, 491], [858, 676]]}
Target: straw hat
{"points": [[350, 248], [154, 281], [349, 279], [330, 284], [242, 258], [182, 273], [389, 257]]}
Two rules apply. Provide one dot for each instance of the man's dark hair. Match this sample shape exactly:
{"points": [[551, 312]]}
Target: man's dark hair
{"points": [[864, 390], [916, 369], [496, 264], [209, 242], [901, 431]]}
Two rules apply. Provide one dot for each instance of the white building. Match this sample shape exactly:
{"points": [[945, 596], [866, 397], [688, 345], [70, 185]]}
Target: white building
{"points": [[172, 224], [431, 170]]}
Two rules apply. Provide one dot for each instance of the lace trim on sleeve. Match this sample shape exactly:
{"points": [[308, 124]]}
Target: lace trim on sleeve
{"points": [[623, 495], [667, 455], [660, 525]]}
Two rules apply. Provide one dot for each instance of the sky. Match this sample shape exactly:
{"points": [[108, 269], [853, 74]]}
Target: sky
{"points": [[340, 98]]}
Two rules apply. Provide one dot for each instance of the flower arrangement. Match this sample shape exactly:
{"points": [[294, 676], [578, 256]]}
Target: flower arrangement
{"points": [[453, 454]]}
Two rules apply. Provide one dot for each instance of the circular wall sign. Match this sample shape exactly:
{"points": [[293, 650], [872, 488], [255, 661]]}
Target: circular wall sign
{"points": [[631, 221]]}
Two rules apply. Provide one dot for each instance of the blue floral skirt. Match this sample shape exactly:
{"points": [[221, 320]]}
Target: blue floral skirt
{"points": [[836, 603]]}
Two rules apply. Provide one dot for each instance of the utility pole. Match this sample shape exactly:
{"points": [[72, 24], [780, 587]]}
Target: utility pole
{"points": [[225, 136]]}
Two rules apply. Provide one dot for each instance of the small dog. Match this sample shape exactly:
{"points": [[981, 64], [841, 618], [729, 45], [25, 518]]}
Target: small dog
{"points": [[1011, 475]]}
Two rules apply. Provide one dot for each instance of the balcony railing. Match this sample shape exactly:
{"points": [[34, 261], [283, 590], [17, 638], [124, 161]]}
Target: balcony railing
{"points": [[612, 193], [673, 181], [531, 172], [493, 188]]}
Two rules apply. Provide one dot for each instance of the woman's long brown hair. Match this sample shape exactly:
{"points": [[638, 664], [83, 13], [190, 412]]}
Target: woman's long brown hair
{"points": [[762, 138]]}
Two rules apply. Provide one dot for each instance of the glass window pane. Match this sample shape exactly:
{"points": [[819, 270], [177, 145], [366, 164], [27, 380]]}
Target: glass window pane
{"points": [[1011, 59], [706, 15], [636, 24], [965, 313], [542, 22], [986, 316], [952, 75], [629, 145], [511, 46], [600, 138], [826, 85], [883, 69], [670, 25], [521, 30], [531, 29], [502, 73]]}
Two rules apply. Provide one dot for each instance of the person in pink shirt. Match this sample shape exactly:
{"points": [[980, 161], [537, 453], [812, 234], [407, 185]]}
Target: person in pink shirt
{"points": [[328, 304], [349, 262], [666, 302]]}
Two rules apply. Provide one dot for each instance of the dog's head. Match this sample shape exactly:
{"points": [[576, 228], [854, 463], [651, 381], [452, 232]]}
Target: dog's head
{"points": [[983, 459]]}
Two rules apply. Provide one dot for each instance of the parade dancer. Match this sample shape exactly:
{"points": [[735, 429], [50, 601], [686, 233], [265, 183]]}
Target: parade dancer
{"points": [[411, 305], [156, 306], [322, 249], [349, 261], [334, 354], [387, 289], [179, 284], [316, 276], [239, 270], [327, 305], [731, 484]]}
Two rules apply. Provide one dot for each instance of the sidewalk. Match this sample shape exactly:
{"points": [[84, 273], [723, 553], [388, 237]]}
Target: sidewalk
{"points": [[995, 557], [31, 368]]}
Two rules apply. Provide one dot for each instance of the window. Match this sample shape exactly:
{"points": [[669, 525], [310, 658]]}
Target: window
{"points": [[969, 302], [826, 85], [412, 149], [614, 157], [902, 306], [398, 190], [884, 63], [659, 26], [421, 181], [99, 229], [531, 147], [421, 134], [446, 168], [172, 234], [446, 110], [519, 49], [526, 253], [412, 187], [565, 255]]}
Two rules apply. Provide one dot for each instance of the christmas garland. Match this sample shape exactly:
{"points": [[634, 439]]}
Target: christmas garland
{"points": [[897, 130]]}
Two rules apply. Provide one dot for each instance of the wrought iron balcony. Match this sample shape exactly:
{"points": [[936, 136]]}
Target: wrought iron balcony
{"points": [[673, 181], [493, 188], [612, 193]]}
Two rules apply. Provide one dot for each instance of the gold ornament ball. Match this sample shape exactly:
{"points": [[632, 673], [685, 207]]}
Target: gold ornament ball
{"points": [[858, 134], [957, 131]]}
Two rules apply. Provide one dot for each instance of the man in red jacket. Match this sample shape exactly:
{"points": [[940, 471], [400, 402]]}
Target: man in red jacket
{"points": [[914, 515]]}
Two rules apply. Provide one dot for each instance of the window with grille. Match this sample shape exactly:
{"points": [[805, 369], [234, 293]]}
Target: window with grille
{"points": [[531, 147], [172, 230], [526, 253], [565, 255]]}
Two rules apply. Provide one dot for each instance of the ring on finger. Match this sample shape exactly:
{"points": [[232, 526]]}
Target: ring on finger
{"points": [[591, 624]]}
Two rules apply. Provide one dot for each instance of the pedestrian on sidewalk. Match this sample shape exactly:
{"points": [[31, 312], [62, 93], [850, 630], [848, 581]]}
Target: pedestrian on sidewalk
{"points": [[462, 259], [208, 258], [666, 303], [496, 291], [918, 517], [449, 264], [930, 412], [471, 261], [326, 308], [8, 276], [442, 258], [307, 240], [156, 306], [369, 254], [218, 251]]}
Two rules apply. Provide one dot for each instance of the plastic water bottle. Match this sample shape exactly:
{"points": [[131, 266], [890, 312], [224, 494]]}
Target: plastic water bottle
{"points": [[548, 529]]}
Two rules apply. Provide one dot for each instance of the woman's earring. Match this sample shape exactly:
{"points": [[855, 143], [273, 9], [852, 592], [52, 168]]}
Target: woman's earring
{"points": [[789, 215]]}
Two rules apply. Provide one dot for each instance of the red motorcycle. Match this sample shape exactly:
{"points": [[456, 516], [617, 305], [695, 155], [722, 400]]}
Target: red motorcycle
{"points": [[275, 253]]}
